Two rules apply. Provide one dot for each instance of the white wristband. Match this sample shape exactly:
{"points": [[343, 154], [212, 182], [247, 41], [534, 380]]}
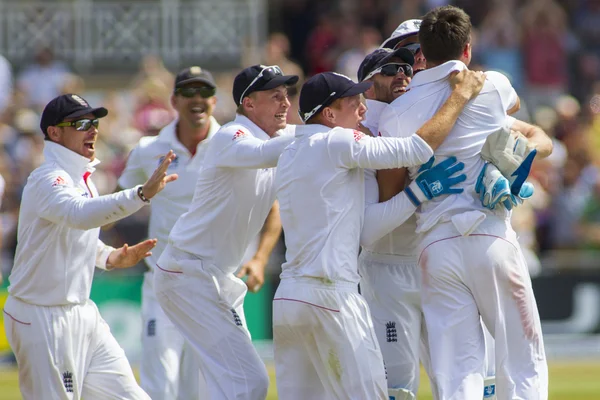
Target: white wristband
{"points": [[415, 194]]}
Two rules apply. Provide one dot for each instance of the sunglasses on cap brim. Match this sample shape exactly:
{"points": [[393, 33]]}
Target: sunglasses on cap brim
{"points": [[266, 74], [391, 69], [414, 48], [190, 92], [81, 124]]}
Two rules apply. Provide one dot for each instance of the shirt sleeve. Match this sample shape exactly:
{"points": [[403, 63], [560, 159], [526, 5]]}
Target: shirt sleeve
{"points": [[382, 218], [61, 203], [102, 253], [353, 149], [134, 173], [507, 93], [240, 149]]}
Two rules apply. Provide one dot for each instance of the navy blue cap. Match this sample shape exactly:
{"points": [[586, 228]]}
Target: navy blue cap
{"points": [[248, 80], [323, 89], [67, 106], [192, 75], [381, 57]]}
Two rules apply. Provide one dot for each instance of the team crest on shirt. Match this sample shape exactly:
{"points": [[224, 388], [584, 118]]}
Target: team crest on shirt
{"points": [[174, 163], [358, 135], [391, 335], [239, 134], [68, 381]]}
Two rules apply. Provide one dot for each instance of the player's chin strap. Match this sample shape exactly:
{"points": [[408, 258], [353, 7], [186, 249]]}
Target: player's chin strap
{"points": [[400, 394]]}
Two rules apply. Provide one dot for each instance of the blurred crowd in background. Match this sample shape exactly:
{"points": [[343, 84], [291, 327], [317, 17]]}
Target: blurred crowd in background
{"points": [[550, 50]]}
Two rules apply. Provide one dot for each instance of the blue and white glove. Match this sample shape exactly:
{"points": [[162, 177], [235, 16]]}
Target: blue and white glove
{"points": [[492, 186], [434, 181], [511, 152], [515, 201]]}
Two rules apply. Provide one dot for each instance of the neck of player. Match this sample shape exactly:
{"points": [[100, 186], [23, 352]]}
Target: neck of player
{"points": [[190, 136]]}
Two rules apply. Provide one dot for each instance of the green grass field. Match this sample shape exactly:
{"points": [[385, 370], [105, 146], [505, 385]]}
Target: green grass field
{"points": [[568, 381]]}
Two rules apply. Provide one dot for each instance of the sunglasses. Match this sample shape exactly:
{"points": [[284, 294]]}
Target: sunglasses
{"points": [[82, 124], [307, 115], [190, 92], [414, 48], [266, 74], [392, 69]]}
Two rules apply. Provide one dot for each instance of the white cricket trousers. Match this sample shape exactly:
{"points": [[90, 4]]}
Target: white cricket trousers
{"points": [[206, 306], [67, 352], [324, 343], [484, 274], [168, 368], [391, 285]]}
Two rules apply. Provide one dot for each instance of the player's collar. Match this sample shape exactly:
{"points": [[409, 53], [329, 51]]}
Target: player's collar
{"points": [[436, 73], [308, 130], [168, 134], [254, 129], [75, 164], [374, 110]]}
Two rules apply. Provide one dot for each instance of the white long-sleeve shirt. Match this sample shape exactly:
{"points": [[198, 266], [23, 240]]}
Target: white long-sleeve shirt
{"points": [[175, 199], [389, 227], [320, 188], [59, 223], [234, 194], [481, 116]]}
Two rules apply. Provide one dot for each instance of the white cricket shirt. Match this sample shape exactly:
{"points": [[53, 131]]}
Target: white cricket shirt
{"points": [[176, 197], [321, 193], [59, 223], [482, 116], [403, 239], [234, 194]]}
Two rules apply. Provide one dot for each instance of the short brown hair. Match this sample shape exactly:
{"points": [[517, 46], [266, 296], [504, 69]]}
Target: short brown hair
{"points": [[444, 33]]}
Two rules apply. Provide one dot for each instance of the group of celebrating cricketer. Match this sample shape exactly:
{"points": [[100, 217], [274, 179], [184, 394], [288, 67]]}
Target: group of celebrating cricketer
{"points": [[396, 214]]}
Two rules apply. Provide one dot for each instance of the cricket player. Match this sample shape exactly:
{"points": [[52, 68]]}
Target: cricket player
{"points": [[168, 370], [325, 347], [471, 262], [390, 275], [63, 347], [194, 281]]}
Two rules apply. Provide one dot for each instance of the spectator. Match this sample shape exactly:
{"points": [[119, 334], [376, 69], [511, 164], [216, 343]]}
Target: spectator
{"points": [[43, 80]]}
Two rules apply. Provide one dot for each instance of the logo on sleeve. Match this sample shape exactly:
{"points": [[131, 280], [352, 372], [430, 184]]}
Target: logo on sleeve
{"points": [[239, 134], [59, 181], [358, 135]]}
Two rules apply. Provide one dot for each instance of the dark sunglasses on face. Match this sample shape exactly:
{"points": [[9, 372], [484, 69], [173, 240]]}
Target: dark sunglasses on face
{"points": [[392, 69], [266, 74], [190, 92], [414, 48], [82, 124]]}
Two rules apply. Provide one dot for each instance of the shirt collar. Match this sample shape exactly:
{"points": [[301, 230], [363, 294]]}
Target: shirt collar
{"points": [[374, 110], [303, 131], [436, 73], [75, 164], [254, 129], [168, 134]]}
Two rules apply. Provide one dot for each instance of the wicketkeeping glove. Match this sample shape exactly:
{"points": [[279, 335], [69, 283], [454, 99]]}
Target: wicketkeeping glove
{"points": [[492, 186], [515, 201], [435, 181], [512, 153]]}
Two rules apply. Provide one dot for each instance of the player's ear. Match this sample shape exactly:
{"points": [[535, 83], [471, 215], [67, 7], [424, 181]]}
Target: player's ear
{"points": [[370, 93], [173, 100], [328, 114], [248, 103], [54, 133]]}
